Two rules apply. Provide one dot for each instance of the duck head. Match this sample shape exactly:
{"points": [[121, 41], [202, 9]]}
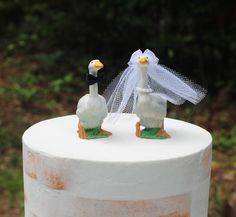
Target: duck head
{"points": [[143, 61], [94, 66]]}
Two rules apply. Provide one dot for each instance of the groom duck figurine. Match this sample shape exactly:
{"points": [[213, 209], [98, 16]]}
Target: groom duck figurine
{"points": [[92, 108]]}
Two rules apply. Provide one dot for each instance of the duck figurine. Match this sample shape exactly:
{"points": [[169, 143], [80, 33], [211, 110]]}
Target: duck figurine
{"points": [[151, 108], [144, 88], [92, 108]]}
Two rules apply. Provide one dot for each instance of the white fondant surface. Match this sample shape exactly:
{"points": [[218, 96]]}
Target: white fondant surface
{"points": [[58, 137]]}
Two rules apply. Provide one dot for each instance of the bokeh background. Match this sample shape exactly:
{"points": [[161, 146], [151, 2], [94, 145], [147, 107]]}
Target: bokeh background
{"points": [[45, 47]]}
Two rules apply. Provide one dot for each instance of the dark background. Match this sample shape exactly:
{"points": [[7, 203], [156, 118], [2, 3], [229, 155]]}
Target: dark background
{"points": [[45, 47]]}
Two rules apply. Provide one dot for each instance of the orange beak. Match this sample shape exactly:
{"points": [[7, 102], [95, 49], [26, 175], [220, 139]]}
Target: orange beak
{"points": [[98, 64], [143, 60]]}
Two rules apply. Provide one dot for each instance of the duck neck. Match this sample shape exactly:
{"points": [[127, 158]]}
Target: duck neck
{"points": [[143, 81], [93, 89]]}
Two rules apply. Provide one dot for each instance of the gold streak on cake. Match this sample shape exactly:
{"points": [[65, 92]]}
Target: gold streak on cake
{"points": [[31, 164], [175, 214], [32, 158], [31, 174], [56, 182]]}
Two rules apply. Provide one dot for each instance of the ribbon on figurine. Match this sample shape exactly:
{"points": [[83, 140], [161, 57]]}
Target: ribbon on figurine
{"points": [[91, 79]]}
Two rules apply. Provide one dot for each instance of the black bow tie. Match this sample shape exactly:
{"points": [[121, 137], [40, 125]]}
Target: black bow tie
{"points": [[91, 79]]}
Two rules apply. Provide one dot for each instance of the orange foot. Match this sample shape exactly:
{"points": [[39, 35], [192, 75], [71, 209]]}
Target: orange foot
{"points": [[138, 130], [105, 132], [81, 132], [163, 133]]}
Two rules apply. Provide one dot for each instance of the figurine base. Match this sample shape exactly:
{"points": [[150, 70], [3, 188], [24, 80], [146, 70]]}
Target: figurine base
{"points": [[95, 133], [152, 133]]}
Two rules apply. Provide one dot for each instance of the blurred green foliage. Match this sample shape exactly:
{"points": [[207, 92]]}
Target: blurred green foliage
{"points": [[25, 87], [224, 139], [11, 179], [8, 138], [197, 37], [32, 86], [62, 84]]}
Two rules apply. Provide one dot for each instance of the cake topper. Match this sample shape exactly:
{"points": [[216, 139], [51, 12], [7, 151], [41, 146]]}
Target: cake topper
{"points": [[92, 108], [144, 88]]}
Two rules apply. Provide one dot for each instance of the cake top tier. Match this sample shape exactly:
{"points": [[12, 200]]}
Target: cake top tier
{"points": [[58, 137]]}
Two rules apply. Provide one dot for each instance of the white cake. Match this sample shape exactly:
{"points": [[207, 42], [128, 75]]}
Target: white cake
{"points": [[119, 176]]}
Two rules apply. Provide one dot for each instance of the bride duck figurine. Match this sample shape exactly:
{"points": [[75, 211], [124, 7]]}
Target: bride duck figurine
{"points": [[144, 88], [92, 108]]}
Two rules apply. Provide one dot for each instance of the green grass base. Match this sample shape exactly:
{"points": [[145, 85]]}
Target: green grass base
{"points": [[94, 133], [151, 133]]}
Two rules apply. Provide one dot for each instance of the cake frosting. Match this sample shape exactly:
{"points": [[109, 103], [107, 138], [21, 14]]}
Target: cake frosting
{"points": [[119, 176]]}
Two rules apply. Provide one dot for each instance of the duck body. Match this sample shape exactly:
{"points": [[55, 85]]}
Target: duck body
{"points": [[151, 109], [91, 111]]}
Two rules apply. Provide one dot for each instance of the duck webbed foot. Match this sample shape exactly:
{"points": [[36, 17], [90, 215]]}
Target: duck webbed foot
{"points": [[138, 129], [162, 132], [81, 131], [104, 132]]}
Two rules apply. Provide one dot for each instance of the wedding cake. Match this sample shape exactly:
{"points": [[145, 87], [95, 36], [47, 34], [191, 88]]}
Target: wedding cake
{"points": [[118, 176]]}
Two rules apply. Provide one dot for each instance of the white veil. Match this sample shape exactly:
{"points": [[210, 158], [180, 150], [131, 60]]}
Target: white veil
{"points": [[121, 94]]}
